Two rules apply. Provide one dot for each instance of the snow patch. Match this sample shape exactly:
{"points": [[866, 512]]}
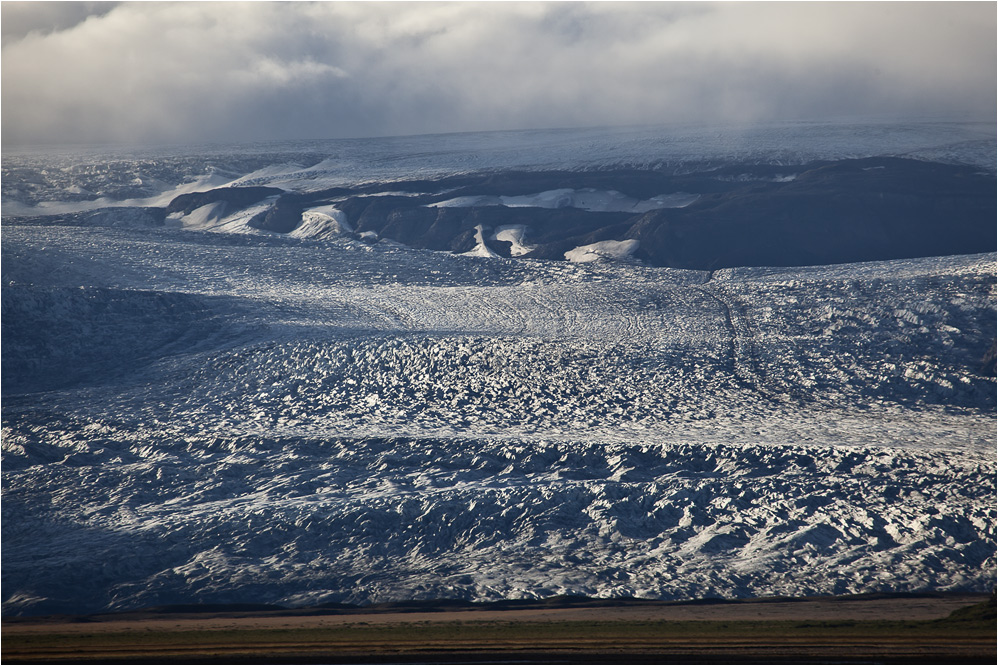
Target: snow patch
{"points": [[514, 234], [603, 251], [322, 222], [212, 217], [480, 249], [205, 217]]}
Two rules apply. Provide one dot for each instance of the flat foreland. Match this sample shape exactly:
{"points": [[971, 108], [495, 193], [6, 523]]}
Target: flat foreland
{"points": [[886, 629]]}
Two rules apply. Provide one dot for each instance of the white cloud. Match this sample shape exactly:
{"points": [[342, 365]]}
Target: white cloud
{"points": [[231, 71]]}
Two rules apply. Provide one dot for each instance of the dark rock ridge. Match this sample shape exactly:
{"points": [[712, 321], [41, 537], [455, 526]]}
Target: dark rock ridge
{"points": [[285, 215], [235, 198], [746, 215], [856, 210]]}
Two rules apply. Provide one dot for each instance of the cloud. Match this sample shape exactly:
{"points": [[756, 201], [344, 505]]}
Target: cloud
{"points": [[253, 71], [22, 18]]}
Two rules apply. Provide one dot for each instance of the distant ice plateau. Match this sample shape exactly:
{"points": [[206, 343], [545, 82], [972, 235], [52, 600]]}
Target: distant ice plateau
{"points": [[199, 410]]}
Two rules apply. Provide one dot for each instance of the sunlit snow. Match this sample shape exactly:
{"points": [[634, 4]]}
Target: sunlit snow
{"points": [[614, 250], [515, 235], [322, 222]]}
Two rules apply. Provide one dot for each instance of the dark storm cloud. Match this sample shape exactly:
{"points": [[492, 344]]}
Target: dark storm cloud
{"points": [[22, 18], [245, 71]]}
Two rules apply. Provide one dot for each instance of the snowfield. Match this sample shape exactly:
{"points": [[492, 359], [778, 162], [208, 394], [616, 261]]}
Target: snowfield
{"points": [[585, 199], [196, 416], [55, 181]]}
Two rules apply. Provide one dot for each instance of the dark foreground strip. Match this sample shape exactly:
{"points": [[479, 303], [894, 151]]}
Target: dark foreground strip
{"points": [[966, 642]]}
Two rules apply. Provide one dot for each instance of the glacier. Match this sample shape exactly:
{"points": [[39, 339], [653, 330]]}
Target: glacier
{"points": [[195, 410]]}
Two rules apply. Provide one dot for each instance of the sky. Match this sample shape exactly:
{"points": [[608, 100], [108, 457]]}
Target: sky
{"points": [[155, 72]]}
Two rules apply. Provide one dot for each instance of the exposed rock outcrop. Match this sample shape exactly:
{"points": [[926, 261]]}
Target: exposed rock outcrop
{"points": [[235, 198], [738, 215]]}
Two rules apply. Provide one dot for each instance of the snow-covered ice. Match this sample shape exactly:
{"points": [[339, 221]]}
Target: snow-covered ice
{"points": [[257, 417], [585, 199], [36, 182], [164, 194]]}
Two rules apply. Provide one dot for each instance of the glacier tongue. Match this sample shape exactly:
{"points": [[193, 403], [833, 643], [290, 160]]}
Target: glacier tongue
{"points": [[295, 421]]}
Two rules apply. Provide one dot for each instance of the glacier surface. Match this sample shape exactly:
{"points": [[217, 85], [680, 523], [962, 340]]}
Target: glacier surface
{"points": [[195, 416]]}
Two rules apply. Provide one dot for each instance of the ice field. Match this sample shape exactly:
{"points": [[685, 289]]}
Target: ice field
{"points": [[201, 412]]}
